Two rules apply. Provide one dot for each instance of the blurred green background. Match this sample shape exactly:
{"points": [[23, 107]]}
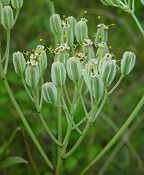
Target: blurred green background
{"points": [[33, 24]]}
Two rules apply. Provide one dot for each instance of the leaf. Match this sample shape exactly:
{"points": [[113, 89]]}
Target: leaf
{"points": [[12, 161], [142, 1]]}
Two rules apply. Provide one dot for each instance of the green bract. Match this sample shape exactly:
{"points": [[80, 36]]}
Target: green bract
{"points": [[19, 62], [81, 30], [32, 75], [58, 73], [128, 62], [49, 92], [74, 69], [7, 18], [55, 24], [17, 4]]}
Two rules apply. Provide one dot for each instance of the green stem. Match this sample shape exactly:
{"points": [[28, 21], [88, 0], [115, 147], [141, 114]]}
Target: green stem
{"points": [[66, 94], [116, 85], [27, 126], [138, 23], [7, 52], [43, 121], [116, 137]]}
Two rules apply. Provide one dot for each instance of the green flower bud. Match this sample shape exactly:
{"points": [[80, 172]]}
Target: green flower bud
{"points": [[7, 18], [74, 69], [42, 61], [58, 73], [128, 62], [81, 30], [4, 2], [84, 89], [17, 4], [101, 34], [107, 71], [102, 50], [96, 86], [88, 50], [49, 92], [32, 75], [62, 53], [67, 35], [19, 62], [72, 21], [55, 24]]}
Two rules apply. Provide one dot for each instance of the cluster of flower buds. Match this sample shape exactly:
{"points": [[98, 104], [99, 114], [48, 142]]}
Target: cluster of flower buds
{"points": [[7, 18], [89, 63], [33, 68]]}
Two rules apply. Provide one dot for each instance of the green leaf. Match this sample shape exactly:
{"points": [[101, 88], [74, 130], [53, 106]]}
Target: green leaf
{"points": [[11, 161]]}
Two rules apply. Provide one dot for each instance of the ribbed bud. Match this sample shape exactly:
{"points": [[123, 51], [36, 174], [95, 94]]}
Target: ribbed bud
{"points": [[49, 92], [74, 69], [19, 62], [107, 70], [128, 62], [58, 73], [4, 2], [101, 34], [7, 18], [17, 4], [72, 21], [55, 24], [67, 35], [62, 56], [32, 75], [102, 49], [96, 86], [42, 61], [81, 30]]}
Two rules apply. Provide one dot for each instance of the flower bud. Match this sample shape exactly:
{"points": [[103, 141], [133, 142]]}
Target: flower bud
{"points": [[128, 62], [58, 73], [17, 4], [102, 49], [42, 61], [62, 56], [7, 18], [72, 21], [55, 24], [96, 86], [74, 69], [84, 89], [19, 62], [67, 35], [32, 75], [4, 2], [107, 71], [101, 34], [49, 92], [81, 30]]}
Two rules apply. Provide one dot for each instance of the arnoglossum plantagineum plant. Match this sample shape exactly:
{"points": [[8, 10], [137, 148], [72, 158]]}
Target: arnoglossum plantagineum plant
{"points": [[77, 57]]}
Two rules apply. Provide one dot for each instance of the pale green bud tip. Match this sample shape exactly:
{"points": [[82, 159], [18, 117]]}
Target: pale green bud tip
{"points": [[74, 69], [4, 2], [32, 75], [56, 24], [58, 73], [49, 92], [17, 4], [7, 18], [128, 62], [19, 62]]}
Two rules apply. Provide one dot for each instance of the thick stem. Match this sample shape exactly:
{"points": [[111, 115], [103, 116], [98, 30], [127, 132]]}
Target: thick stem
{"points": [[116, 137]]}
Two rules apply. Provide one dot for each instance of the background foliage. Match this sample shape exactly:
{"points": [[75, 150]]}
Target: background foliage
{"points": [[33, 24]]}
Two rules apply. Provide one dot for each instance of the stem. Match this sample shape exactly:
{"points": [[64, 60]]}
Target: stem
{"points": [[138, 23], [27, 126], [7, 52], [43, 121], [116, 137], [116, 85], [66, 94]]}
